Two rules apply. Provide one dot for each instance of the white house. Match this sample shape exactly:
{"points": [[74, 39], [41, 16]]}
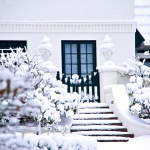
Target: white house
{"points": [[81, 25], [76, 29]]}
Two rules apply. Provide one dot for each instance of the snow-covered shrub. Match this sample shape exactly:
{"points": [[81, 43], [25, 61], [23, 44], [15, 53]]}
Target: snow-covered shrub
{"points": [[10, 87], [138, 87], [49, 95], [59, 142], [47, 142], [27, 90], [11, 106]]}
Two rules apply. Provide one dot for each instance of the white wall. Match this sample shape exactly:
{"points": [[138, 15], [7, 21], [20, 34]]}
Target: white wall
{"points": [[66, 9], [122, 34], [70, 20]]}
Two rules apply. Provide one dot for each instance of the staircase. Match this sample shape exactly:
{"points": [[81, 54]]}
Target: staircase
{"points": [[97, 120]]}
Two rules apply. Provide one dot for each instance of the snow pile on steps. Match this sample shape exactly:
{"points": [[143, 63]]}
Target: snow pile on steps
{"points": [[97, 120], [46, 141]]}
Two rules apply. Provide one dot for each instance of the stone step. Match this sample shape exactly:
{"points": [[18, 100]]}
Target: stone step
{"points": [[98, 128], [111, 139], [105, 133], [95, 111], [97, 122], [93, 105], [93, 116]]}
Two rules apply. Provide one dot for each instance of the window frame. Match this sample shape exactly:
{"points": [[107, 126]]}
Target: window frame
{"points": [[79, 63]]}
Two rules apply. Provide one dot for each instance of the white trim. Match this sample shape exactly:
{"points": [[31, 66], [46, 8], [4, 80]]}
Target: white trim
{"points": [[68, 26]]}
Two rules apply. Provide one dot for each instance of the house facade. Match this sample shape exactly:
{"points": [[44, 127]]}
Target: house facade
{"points": [[76, 30]]}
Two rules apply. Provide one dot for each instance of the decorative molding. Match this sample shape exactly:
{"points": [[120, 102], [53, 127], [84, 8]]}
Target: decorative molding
{"points": [[67, 26]]}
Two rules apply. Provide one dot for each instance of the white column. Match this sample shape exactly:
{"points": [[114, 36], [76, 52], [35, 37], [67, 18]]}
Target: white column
{"points": [[108, 76]]}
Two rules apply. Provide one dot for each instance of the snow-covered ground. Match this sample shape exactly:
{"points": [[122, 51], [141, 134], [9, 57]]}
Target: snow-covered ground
{"points": [[138, 143]]}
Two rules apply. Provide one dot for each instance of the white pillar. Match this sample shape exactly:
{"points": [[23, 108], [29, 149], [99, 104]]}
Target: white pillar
{"points": [[108, 76]]}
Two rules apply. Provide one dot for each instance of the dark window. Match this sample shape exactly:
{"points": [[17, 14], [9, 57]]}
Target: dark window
{"points": [[147, 61], [6, 45], [78, 57]]}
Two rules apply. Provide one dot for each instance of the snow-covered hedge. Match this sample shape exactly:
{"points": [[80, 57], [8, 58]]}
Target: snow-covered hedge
{"points": [[27, 90], [10, 103], [46, 142], [138, 88], [49, 95]]}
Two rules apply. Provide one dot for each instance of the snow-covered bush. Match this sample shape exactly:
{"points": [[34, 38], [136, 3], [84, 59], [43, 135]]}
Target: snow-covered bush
{"points": [[138, 88], [49, 95], [11, 105], [28, 91], [10, 87], [47, 142]]}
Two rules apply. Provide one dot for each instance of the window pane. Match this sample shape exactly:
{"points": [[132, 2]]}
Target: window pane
{"points": [[78, 57], [83, 69], [74, 69], [89, 48], [90, 68], [67, 58], [83, 58], [74, 48], [84, 75], [90, 58], [74, 58], [68, 69], [83, 48], [67, 48]]}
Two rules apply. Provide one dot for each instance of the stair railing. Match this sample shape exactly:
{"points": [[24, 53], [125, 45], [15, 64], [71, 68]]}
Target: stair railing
{"points": [[87, 87]]}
